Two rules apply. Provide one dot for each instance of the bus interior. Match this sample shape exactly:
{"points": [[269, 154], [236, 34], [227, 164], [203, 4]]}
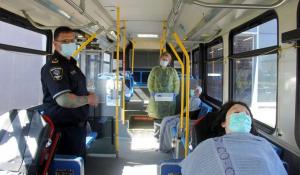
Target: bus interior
{"points": [[236, 50]]}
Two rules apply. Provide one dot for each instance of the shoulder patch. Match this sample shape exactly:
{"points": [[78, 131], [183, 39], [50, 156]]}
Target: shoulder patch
{"points": [[56, 73], [54, 60]]}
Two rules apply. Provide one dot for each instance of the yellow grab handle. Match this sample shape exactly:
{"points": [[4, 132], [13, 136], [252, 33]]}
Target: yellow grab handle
{"points": [[182, 84], [187, 107], [90, 39], [123, 81], [117, 82]]}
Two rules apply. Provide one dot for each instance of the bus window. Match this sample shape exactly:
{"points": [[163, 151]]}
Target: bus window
{"points": [[214, 70], [297, 120], [17, 36], [196, 64], [215, 51], [254, 68], [261, 36], [145, 59], [23, 62]]}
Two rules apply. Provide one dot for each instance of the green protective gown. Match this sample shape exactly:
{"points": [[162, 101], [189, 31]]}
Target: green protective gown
{"points": [[162, 80]]}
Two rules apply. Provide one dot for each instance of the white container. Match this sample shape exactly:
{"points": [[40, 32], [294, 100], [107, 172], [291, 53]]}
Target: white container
{"points": [[164, 96]]}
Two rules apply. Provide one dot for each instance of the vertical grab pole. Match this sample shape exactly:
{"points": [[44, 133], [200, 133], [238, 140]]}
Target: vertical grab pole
{"points": [[124, 76], [163, 38], [160, 46], [182, 85], [117, 83], [132, 56], [187, 107]]}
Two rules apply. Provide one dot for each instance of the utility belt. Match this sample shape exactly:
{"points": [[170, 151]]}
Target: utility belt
{"points": [[67, 125]]}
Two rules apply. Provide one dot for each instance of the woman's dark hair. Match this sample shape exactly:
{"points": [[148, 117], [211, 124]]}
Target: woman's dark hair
{"points": [[217, 129]]}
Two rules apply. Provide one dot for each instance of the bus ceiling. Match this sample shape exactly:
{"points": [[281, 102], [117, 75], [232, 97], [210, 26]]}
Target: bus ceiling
{"points": [[203, 31], [239, 6]]}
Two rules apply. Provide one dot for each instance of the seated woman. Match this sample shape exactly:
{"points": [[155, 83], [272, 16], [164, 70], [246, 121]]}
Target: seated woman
{"points": [[235, 149], [165, 136]]}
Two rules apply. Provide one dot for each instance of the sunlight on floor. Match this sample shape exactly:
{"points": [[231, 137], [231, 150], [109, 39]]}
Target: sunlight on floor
{"points": [[143, 140], [140, 169]]}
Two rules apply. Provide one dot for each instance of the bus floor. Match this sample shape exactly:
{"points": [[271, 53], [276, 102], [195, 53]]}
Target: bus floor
{"points": [[138, 154], [138, 151]]}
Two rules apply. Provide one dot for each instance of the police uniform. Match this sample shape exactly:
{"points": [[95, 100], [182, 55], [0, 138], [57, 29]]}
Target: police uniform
{"points": [[60, 75]]}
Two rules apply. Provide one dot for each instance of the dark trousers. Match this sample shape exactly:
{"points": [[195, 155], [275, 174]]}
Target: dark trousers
{"points": [[72, 141]]}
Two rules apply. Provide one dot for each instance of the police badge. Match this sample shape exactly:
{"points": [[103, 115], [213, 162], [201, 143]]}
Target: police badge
{"points": [[56, 73]]}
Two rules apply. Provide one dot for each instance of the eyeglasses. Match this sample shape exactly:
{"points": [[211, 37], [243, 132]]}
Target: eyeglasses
{"points": [[67, 41]]}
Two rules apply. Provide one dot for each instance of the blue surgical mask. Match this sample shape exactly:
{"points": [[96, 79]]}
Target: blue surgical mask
{"points": [[68, 49], [240, 122], [192, 92]]}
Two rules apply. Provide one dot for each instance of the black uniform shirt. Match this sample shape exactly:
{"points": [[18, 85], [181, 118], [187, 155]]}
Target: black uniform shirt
{"points": [[60, 75]]}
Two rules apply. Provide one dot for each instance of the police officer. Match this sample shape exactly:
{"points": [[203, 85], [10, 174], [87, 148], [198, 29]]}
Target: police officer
{"points": [[66, 99]]}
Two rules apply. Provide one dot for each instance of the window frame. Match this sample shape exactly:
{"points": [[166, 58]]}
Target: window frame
{"points": [[106, 62], [297, 108], [261, 19], [198, 61], [16, 20], [216, 41]]}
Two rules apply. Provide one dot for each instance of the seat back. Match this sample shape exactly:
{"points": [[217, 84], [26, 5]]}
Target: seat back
{"points": [[200, 131], [170, 167], [204, 109], [194, 115], [279, 151]]}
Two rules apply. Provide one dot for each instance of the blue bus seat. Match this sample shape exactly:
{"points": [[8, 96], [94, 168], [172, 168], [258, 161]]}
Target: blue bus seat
{"points": [[201, 129], [140, 77], [170, 167], [279, 151], [129, 82], [174, 132], [204, 110], [66, 164]]}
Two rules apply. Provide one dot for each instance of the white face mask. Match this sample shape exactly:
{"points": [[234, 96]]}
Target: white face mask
{"points": [[164, 63]]}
